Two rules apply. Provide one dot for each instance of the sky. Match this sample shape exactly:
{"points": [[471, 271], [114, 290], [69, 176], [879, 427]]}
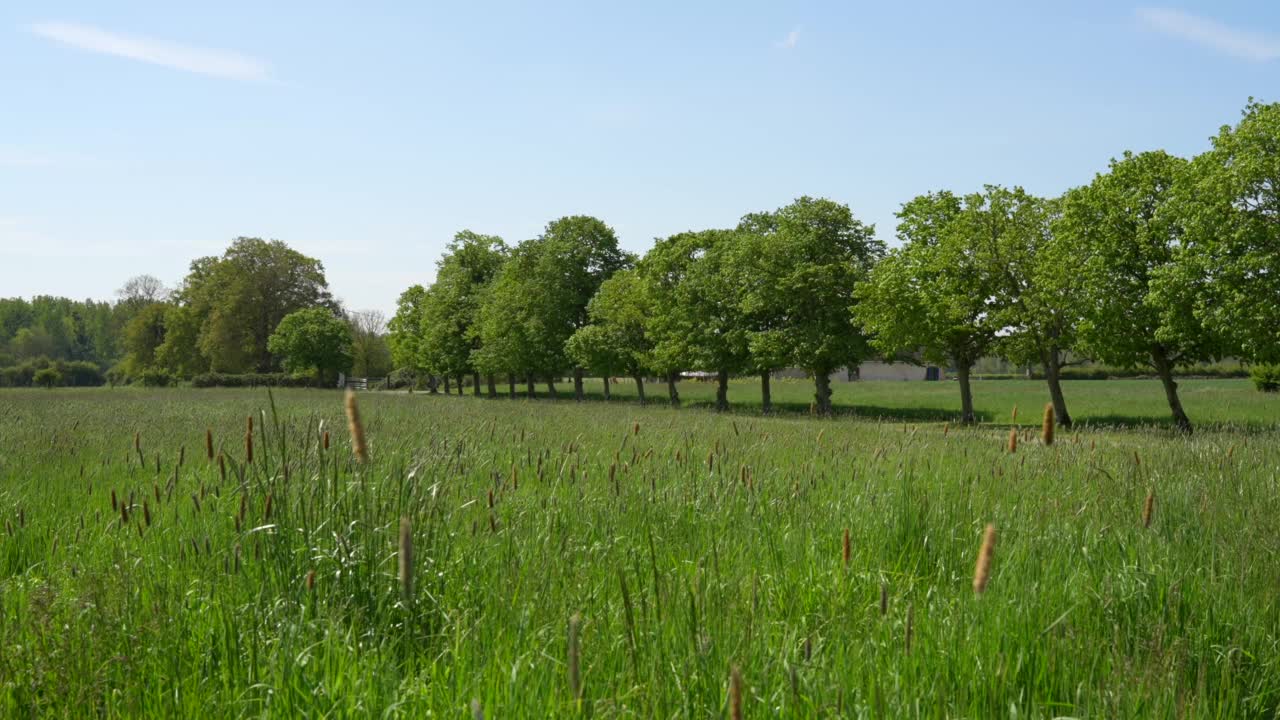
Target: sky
{"points": [[138, 136]]}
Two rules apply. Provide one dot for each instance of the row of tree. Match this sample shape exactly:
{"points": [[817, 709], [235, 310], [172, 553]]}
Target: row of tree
{"points": [[1159, 262]]}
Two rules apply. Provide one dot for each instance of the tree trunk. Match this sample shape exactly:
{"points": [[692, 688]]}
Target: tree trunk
{"points": [[822, 391], [608, 392], [433, 386], [673, 391], [577, 385], [722, 390], [551, 387], [461, 389], [640, 387], [1165, 369], [766, 393], [475, 384], [446, 385], [493, 385], [511, 384], [1053, 375], [532, 391], [966, 393]]}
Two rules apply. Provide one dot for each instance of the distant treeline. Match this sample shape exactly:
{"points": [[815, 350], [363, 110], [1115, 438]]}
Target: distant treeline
{"points": [[227, 317]]}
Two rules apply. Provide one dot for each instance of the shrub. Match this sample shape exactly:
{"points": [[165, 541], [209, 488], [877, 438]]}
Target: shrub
{"points": [[155, 378], [81, 374], [225, 380], [1266, 377], [118, 374], [47, 377]]}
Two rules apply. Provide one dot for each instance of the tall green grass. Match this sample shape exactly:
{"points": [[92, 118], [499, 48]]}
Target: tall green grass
{"points": [[686, 543]]}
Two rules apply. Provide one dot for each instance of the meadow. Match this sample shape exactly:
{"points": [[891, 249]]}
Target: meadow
{"points": [[224, 553]]}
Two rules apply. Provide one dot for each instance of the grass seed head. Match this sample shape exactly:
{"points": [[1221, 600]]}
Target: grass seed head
{"points": [[846, 548], [910, 631], [1046, 429], [358, 444], [735, 693], [248, 448], [1148, 508], [208, 444], [406, 559], [1013, 440], [982, 572], [575, 656]]}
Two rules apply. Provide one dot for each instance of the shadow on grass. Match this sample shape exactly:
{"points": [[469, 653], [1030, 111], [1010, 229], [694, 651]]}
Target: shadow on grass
{"points": [[799, 410]]}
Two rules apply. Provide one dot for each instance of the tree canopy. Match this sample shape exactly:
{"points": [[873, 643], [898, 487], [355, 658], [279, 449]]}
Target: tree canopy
{"points": [[1125, 233], [313, 341]]}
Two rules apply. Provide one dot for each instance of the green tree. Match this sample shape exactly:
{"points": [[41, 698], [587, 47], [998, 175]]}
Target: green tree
{"points": [[370, 352], [797, 270], [1035, 278], [696, 320], [238, 299], [143, 336], [404, 333], [451, 308], [514, 335], [313, 341], [614, 342], [578, 253], [1228, 206], [1124, 234], [33, 342], [936, 296], [539, 299], [47, 377]]}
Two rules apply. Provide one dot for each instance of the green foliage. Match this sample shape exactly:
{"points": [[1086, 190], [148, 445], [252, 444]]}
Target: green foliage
{"points": [[230, 305], [144, 334], [60, 329], [539, 297], [47, 377], [615, 341], [313, 342], [795, 271], [450, 309], [1266, 377], [370, 351], [223, 380], [1229, 207], [695, 318], [77, 373], [405, 331], [155, 378], [938, 294], [1124, 234]]}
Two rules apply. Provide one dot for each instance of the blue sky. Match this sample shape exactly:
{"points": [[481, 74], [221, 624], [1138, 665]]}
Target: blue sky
{"points": [[136, 136]]}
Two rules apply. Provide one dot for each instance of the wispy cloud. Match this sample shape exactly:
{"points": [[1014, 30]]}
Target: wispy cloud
{"points": [[790, 41], [1210, 33], [217, 63]]}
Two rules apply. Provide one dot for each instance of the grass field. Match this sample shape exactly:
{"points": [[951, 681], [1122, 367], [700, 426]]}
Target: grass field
{"points": [[153, 582]]}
